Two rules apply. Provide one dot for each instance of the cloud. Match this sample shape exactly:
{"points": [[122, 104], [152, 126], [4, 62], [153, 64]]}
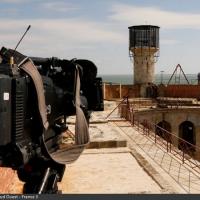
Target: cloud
{"points": [[169, 42], [9, 11], [135, 15], [57, 36], [73, 28], [13, 1], [59, 6]]}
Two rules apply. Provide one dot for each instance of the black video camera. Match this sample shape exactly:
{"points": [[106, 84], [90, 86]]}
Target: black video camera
{"points": [[36, 97]]}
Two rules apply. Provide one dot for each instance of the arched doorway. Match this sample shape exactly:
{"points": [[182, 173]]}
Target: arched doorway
{"points": [[163, 129], [187, 133]]}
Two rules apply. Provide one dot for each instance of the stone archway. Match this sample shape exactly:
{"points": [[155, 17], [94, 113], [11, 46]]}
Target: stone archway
{"points": [[163, 129], [187, 133]]}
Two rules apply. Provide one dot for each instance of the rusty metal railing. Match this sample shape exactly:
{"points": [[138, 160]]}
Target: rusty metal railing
{"points": [[180, 148], [173, 154]]}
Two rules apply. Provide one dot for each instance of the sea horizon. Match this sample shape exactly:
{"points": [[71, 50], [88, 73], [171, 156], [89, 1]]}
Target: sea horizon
{"points": [[164, 78]]}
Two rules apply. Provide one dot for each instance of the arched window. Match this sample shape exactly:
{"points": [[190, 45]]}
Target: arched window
{"points": [[187, 133]]}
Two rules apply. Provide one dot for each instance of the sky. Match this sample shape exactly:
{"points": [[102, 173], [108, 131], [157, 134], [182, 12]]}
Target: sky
{"points": [[98, 31]]}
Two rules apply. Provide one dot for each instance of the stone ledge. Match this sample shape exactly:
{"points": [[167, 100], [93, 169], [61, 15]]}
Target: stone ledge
{"points": [[107, 144]]}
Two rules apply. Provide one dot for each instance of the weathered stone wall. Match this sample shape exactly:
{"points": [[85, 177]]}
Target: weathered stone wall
{"points": [[174, 117], [143, 69], [144, 62]]}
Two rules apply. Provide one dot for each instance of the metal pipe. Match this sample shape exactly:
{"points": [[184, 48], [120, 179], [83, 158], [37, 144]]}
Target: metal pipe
{"points": [[44, 181]]}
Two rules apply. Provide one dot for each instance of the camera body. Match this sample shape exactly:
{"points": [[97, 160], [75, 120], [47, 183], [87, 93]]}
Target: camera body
{"points": [[23, 139]]}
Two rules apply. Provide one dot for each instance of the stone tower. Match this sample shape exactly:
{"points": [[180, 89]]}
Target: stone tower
{"points": [[144, 48]]}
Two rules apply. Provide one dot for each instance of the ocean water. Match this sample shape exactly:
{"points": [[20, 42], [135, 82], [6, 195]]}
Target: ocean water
{"points": [[128, 79]]}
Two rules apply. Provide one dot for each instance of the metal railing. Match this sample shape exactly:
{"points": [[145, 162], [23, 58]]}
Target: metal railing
{"points": [[181, 152], [182, 149]]}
